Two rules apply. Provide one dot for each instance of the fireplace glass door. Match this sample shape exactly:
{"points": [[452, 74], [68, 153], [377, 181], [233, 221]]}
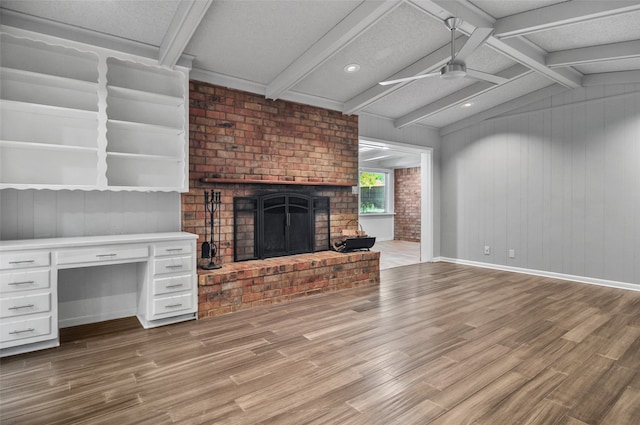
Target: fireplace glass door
{"points": [[287, 225], [280, 224]]}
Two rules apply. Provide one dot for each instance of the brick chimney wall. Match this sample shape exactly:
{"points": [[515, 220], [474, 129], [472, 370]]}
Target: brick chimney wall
{"points": [[407, 204], [243, 136]]}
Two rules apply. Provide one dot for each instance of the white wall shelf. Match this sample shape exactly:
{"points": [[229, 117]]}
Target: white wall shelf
{"points": [[82, 117], [46, 146], [146, 96]]}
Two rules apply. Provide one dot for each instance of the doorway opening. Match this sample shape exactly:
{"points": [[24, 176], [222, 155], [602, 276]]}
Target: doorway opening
{"points": [[380, 156]]}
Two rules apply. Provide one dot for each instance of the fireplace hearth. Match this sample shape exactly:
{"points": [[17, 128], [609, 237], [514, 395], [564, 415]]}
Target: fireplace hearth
{"points": [[280, 224]]}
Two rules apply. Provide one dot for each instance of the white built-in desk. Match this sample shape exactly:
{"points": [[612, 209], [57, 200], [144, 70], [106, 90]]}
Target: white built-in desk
{"points": [[59, 282]]}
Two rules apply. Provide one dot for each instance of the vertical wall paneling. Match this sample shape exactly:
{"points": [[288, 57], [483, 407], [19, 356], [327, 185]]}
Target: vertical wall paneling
{"points": [[595, 186], [96, 217], [578, 179], [70, 213], [558, 182], [27, 214], [44, 208]]}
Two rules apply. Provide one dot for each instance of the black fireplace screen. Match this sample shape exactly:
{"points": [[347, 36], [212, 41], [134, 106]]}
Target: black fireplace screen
{"points": [[280, 224]]}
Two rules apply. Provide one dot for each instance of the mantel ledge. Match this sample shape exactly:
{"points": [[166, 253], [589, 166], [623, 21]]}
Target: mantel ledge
{"points": [[219, 180]]}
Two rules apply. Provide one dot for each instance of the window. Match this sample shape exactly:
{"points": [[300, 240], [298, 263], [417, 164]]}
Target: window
{"points": [[373, 191]]}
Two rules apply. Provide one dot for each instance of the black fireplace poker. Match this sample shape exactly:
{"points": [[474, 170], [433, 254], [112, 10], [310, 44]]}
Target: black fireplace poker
{"points": [[209, 248]]}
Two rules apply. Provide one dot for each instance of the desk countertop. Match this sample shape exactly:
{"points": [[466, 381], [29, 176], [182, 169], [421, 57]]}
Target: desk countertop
{"points": [[79, 241]]}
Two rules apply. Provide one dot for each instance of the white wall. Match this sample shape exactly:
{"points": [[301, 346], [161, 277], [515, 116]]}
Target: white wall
{"points": [[379, 225], [374, 127], [558, 184], [28, 214]]}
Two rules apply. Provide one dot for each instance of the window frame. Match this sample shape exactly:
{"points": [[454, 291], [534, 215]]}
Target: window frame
{"points": [[388, 191]]}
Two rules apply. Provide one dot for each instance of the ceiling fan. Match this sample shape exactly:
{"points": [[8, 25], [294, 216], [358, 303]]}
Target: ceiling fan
{"points": [[456, 67]]}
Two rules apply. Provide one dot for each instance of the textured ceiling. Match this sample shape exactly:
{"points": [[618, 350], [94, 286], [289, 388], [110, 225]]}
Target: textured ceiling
{"points": [[146, 21], [297, 49]]}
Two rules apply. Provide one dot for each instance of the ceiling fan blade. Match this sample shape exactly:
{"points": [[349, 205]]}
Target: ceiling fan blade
{"points": [[479, 75], [402, 80], [476, 39]]}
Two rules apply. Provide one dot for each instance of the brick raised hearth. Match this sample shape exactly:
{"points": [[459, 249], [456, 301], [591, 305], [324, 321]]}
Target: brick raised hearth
{"points": [[249, 284]]}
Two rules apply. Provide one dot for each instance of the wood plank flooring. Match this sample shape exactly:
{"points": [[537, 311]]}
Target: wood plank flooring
{"points": [[434, 344]]}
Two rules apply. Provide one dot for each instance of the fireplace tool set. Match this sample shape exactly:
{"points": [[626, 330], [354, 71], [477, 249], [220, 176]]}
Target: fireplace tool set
{"points": [[209, 248]]}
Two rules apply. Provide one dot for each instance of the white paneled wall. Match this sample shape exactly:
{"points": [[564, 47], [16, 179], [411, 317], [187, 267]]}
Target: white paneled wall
{"points": [[28, 214], [558, 183]]}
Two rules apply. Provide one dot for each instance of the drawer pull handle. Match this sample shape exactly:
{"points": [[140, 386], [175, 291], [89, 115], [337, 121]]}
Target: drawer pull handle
{"points": [[105, 255], [174, 249], [22, 283], [18, 307], [22, 262], [175, 285], [175, 266], [21, 332], [174, 305]]}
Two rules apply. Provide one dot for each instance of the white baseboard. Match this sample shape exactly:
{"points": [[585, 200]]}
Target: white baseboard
{"points": [[572, 278]]}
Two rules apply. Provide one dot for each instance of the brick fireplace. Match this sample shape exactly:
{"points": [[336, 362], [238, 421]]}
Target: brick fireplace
{"points": [[243, 145]]}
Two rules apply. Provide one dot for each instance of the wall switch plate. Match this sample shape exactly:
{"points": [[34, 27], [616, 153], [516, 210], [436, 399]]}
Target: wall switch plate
{"points": [[512, 253], [354, 190], [487, 250]]}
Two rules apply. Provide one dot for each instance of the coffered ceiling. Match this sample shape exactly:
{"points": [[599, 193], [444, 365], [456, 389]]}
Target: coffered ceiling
{"points": [[298, 50]]}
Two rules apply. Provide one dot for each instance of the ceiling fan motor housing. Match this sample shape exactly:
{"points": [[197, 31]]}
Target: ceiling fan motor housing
{"points": [[453, 70]]}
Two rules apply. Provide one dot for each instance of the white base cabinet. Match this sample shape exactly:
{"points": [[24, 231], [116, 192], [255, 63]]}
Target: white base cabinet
{"points": [[165, 292]]}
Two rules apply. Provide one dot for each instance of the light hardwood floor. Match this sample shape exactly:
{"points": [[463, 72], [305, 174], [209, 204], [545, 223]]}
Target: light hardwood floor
{"points": [[434, 344], [397, 253]]}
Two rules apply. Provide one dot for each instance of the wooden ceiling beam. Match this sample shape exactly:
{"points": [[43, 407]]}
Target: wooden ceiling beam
{"points": [[181, 29], [558, 15], [594, 54]]}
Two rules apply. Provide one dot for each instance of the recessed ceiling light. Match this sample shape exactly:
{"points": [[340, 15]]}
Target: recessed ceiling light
{"points": [[351, 68], [466, 105]]}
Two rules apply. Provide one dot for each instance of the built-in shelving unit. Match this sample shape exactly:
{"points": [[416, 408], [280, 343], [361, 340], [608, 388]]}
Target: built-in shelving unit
{"points": [[49, 112], [145, 126], [82, 117]]}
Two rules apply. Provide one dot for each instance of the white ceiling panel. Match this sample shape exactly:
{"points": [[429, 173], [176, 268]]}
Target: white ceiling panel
{"points": [[502, 8], [501, 94], [146, 21], [606, 30], [415, 95], [427, 90], [256, 40], [378, 51]]}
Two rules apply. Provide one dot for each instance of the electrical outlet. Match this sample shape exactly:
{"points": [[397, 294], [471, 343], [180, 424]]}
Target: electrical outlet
{"points": [[487, 250], [512, 253]]}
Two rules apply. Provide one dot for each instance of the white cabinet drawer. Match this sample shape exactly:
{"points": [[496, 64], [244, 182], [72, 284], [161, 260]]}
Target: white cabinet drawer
{"points": [[21, 329], [28, 304], [23, 280], [173, 265], [177, 248], [106, 253], [167, 285], [180, 303], [20, 260]]}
